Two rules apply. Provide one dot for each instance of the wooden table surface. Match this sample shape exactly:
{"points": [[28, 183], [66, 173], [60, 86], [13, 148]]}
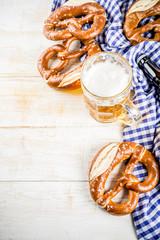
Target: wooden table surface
{"points": [[47, 143]]}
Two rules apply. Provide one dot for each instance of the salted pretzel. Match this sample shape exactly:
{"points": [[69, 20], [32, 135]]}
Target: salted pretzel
{"points": [[104, 163], [70, 80], [67, 17], [139, 10]]}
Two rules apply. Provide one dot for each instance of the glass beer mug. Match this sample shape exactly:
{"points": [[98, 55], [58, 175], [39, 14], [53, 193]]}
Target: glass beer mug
{"points": [[115, 106]]}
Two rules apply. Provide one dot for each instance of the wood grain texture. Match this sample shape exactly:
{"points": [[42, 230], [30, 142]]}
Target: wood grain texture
{"points": [[30, 102], [21, 27], [40, 211], [62, 153], [47, 143]]}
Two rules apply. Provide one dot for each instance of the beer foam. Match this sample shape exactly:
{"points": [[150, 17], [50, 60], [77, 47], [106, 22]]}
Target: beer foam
{"points": [[106, 78]]}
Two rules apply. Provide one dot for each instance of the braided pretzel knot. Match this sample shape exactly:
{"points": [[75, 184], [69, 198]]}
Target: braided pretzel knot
{"points": [[139, 10], [70, 80], [65, 17], [104, 163]]}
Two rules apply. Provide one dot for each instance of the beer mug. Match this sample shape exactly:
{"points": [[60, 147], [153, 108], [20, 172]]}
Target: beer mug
{"points": [[108, 103]]}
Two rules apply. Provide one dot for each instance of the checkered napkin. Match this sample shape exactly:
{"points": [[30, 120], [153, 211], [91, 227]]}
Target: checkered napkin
{"points": [[146, 216]]}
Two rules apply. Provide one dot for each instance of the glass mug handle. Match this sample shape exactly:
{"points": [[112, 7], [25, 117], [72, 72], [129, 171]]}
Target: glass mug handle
{"points": [[132, 116]]}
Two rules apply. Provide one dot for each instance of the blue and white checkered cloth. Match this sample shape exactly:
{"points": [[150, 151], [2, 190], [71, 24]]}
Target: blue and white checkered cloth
{"points": [[146, 216]]}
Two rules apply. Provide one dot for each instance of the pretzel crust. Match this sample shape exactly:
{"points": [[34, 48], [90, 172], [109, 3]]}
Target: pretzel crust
{"points": [[70, 80], [104, 163], [131, 29], [65, 17]]}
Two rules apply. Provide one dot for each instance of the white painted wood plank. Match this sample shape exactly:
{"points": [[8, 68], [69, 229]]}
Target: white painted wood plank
{"points": [[62, 153], [30, 102], [22, 40], [45, 211]]}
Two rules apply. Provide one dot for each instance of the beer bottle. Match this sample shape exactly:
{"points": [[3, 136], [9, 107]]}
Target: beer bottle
{"points": [[151, 71]]}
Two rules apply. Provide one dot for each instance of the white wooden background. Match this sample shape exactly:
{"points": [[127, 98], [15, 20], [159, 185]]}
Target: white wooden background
{"points": [[47, 142]]}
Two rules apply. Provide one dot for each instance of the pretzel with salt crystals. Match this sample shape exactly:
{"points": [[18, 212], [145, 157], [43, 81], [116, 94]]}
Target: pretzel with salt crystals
{"points": [[139, 10], [104, 163], [67, 17], [70, 80]]}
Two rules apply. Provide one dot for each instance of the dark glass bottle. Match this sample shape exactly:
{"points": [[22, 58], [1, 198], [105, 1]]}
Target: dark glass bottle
{"points": [[151, 71]]}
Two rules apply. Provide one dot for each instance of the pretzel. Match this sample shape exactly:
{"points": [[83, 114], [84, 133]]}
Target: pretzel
{"points": [[139, 10], [104, 163], [69, 80], [65, 17], [67, 55]]}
